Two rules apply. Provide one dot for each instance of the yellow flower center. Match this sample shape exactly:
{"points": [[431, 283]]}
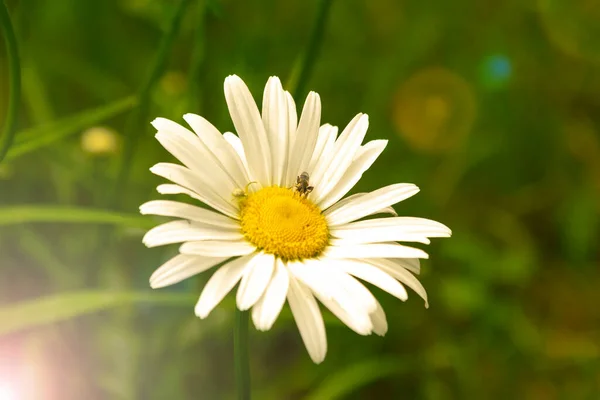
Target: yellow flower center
{"points": [[281, 221]]}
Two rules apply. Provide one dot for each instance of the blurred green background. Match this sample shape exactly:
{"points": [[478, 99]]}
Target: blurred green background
{"points": [[492, 108]]}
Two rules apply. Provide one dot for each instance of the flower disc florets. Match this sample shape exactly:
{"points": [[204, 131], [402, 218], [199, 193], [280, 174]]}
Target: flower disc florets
{"points": [[285, 223]]}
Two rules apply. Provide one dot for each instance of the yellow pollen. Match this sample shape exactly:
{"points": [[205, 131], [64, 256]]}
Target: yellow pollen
{"points": [[281, 221]]}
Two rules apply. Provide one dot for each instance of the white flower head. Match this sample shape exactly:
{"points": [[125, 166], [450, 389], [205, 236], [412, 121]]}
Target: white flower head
{"points": [[278, 225]]}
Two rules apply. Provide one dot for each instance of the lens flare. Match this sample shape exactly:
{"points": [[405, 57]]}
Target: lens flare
{"points": [[7, 392]]}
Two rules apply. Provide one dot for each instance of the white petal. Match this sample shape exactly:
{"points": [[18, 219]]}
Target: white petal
{"points": [[255, 280], [360, 295], [374, 276], [375, 250], [309, 319], [379, 321], [355, 196], [168, 188], [292, 113], [411, 264], [192, 151], [327, 152], [250, 128], [376, 235], [181, 267], [305, 138], [238, 147], [370, 202], [221, 152], [217, 248], [346, 304], [328, 174], [358, 320], [408, 229], [217, 199], [324, 145], [183, 231], [184, 177], [189, 152], [267, 309], [393, 269], [385, 210], [169, 208], [322, 165], [323, 276], [275, 116], [359, 165], [412, 225], [221, 283]]}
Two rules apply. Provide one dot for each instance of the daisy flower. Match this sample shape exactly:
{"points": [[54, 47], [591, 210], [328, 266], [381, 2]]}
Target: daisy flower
{"points": [[277, 223]]}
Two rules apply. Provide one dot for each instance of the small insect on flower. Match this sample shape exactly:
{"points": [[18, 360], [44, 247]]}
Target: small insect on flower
{"points": [[240, 194], [302, 186]]}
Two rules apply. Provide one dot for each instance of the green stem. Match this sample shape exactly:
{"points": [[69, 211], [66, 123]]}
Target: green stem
{"points": [[301, 76], [138, 119], [14, 71], [240, 350]]}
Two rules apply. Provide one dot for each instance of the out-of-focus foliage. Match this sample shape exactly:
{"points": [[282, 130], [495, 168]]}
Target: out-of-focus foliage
{"points": [[492, 108]]}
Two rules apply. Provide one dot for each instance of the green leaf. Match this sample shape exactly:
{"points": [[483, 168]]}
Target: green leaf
{"points": [[349, 379], [35, 138], [14, 74], [44, 213], [64, 306]]}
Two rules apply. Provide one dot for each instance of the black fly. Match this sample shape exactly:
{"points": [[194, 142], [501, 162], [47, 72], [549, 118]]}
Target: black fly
{"points": [[302, 186]]}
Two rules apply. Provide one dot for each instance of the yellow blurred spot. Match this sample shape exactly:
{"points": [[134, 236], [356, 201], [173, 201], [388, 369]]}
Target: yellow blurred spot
{"points": [[437, 109], [99, 140], [173, 82], [573, 26], [434, 110]]}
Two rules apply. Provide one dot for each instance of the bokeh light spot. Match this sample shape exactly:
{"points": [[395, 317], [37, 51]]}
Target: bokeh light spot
{"points": [[434, 110], [496, 71], [173, 82], [99, 140], [437, 109]]}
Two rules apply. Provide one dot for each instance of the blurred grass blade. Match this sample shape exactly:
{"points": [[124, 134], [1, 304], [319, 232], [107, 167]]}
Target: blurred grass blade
{"points": [[42, 213], [198, 58], [349, 379], [42, 251], [64, 306], [38, 137], [36, 99], [138, 119], [304, 66], [14, 72]]}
